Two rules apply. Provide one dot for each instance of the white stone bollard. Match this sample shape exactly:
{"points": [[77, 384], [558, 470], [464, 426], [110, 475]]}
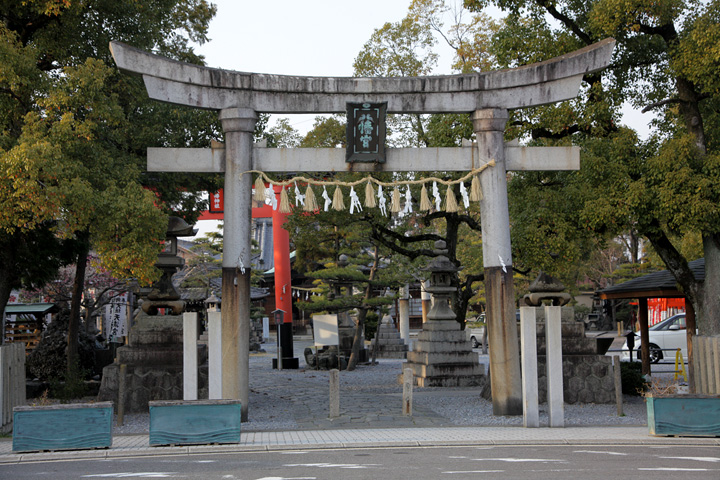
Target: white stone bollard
{"points": [[190, 359], [618, 384], [408, 380], [334, 393], [528, 348], [214, 356], [554, 366], [403, 315], [266, 328]]}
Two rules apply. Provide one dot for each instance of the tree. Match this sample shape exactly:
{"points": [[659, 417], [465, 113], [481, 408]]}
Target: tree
{"points": [[665, 188], [404, 49], [327, 132], [75, 131], [206, 264], [321, 240], [399, 49]]}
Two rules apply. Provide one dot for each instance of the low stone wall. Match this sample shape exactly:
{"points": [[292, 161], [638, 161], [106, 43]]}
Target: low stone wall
{"points": [[586, 379], [154, 360]]}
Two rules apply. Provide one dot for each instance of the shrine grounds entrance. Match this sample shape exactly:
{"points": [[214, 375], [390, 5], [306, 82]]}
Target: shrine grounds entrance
{"points": [[487, 96]]}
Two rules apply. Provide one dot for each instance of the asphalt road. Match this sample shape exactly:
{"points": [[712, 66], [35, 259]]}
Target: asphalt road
{"points": [[509, 462]]}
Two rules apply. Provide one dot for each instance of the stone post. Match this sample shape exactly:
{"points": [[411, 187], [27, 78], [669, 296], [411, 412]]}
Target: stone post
{"points": [[528, 345], [334, 393], [554, 366], [617, 372], [214, 356], [404, 313], [489, 126], [426, 300], [408, 381], [190, 357], [238, 125]]}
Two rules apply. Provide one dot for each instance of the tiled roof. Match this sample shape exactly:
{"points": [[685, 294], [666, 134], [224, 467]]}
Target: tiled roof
{"points": [[656, 284], [196, 294]]}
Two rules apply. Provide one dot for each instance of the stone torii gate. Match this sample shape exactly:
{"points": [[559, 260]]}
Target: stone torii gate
{"points": [[238, 96]]}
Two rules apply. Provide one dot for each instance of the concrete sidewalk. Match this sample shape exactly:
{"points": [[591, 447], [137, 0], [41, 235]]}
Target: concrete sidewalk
{"points": [[137, 445]]}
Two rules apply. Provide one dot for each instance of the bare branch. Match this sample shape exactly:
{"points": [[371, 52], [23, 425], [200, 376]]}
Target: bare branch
{"points": [[549, 6], [662, 103]]}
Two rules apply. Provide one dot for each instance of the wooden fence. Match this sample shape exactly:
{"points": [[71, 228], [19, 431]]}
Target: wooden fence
{"points": [[12, 382], [706, 364]]}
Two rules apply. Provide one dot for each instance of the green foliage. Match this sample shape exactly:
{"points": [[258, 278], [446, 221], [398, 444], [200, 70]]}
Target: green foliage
{"points": [[399, 49], [75, 131], [48, 361], [70, 386], [282, 135], [664, 188], [371, 325], [470, 40], [205, 264], [449, 130], [328, 132]]}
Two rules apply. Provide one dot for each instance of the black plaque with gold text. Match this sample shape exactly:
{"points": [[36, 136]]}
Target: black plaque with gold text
{"points": [[366, 132]]}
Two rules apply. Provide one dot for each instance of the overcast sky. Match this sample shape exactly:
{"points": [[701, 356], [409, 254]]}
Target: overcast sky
{"points": [[299, 37]]}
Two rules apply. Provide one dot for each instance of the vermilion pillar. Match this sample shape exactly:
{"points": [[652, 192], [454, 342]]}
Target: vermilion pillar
{"points": [[283, 287]]}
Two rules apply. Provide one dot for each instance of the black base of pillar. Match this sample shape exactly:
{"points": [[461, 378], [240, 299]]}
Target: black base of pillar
{"points": [[285, 337], [287, 363]]}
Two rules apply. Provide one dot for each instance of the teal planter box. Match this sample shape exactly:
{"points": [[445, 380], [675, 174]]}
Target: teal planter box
{"points": [[194, 422], [684, 415], [62, 427]]}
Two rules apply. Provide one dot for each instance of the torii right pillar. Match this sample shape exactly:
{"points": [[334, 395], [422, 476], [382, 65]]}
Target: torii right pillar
{"points": [[505, 381]]}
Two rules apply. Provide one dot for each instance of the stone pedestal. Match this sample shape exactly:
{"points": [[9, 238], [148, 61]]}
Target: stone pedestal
{"points": [[388, 343], [587, 371], [442, 357], [154, 360], [346, 331]]}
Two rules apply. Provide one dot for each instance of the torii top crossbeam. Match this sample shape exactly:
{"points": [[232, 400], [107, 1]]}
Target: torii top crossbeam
{"points": [[554, 80]]}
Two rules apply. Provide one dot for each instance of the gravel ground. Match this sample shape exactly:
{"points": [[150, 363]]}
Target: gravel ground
{"points": [[273, 393]]}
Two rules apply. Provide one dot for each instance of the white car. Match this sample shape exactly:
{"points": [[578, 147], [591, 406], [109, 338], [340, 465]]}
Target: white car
{"points": [[665, 338]]}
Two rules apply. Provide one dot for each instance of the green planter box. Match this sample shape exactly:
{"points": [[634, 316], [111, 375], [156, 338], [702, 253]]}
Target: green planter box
{"points": [[62, 427], [194, 422], [684, 415]]}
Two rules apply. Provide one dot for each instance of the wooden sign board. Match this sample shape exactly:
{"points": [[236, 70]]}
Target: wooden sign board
{"points": [[325, 330]]}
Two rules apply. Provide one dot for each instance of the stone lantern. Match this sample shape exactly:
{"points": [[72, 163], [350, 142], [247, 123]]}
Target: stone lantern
{"points": [[212, 303], [442, 355], [442, 271], [163, 293]]}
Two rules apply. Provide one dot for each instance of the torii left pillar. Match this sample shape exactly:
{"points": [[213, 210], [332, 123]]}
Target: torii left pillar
{"points": [[238, 125]]}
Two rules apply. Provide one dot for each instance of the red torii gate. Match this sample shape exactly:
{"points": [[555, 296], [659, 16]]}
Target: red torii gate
{"points": [[281, 253]]}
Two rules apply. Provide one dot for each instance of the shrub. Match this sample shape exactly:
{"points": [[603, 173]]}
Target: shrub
{"points": [[633, 382], [371, 324], [48, 362], [70, 385]]}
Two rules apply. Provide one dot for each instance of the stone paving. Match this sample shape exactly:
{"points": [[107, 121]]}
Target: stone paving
{"points": [[366, 405]]}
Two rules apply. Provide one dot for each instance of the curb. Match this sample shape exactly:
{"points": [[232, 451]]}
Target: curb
{"points": [[608, 436]]}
